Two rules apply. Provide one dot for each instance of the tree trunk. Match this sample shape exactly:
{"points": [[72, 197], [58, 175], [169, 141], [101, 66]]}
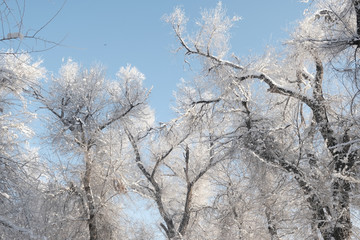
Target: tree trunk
{"points": [[340, 188], [186, 215], [170, 227], [342, 228], [89, 196]]}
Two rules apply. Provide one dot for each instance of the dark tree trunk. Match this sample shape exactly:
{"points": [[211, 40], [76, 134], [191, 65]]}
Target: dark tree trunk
{"points": [[90, 198], [186, 215], [169, 228]]}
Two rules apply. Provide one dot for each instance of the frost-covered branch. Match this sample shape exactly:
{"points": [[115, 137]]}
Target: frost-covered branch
{"points": [[275, 88], [169, 228]]}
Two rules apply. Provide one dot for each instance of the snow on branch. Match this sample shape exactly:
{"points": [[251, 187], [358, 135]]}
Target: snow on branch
{"points": [[274, 88], [14, 35], [211, 41]]}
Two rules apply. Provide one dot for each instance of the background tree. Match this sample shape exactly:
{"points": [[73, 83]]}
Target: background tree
{"points": [[84, 107], [21, 168], [18, 162]]}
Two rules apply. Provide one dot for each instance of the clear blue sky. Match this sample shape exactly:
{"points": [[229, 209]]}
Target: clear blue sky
{"points": [[119, 32]]}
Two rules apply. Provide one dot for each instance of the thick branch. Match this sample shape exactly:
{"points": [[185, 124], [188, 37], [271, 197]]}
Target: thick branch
{"points": [[205, 101], [169, 228], [190, 185], [317, 90], [163, 156], [274, 88], [89, 196], [114, 119], [186, 214], [270, 155], [159, 160]]}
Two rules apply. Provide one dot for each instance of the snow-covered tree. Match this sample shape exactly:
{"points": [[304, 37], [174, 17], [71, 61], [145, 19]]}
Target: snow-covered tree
{"points": [[85, 107], [18, 162], [176, 162], [21, 170], [301, 123]]}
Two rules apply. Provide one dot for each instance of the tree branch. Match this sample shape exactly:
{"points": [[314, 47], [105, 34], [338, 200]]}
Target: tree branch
{"points": [[274, 88], [189, 51], [170, 228], [114, 119]]}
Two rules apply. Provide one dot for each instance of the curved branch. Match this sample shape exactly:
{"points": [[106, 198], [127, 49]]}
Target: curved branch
{"points": [[274, 88]]}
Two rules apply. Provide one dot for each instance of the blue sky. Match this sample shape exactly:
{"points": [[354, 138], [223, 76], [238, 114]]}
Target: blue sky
{"points": [[117, 33]]}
